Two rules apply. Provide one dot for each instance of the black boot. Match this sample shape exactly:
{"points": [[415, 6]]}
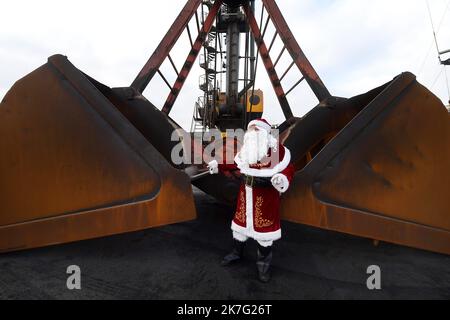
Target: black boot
{"points": [[236, 254], [264, 259]]}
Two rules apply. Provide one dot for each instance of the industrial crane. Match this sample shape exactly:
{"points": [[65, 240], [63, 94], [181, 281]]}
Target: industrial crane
{"points": [[82, 160]]}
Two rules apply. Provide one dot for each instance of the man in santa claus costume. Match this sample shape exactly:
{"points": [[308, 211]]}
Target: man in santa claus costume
{"points": [[266, 171]]}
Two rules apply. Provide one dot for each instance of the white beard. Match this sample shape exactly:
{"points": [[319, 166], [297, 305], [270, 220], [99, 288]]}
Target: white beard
{"points": [[256, 146]]}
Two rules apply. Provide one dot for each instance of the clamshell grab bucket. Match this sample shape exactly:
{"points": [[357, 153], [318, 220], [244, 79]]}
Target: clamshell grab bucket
{"points": [[73, 167], [384, 175]]}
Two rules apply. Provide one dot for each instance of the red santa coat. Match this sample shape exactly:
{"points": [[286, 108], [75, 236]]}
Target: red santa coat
{"points": [[257, 213]]}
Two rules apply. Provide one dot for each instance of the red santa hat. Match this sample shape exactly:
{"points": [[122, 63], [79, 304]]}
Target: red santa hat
{"points": [[261, 124]]}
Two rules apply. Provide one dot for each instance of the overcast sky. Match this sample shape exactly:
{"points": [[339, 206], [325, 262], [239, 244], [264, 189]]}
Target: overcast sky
{"points": [[355, 45]]}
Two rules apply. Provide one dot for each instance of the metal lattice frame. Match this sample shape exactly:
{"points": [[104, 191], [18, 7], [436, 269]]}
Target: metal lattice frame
{"points": [[282, 30]]}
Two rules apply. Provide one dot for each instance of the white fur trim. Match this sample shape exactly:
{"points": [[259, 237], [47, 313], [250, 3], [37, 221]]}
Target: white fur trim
{"points": [[264, 173], [258, 236], [265, 244], [213, 167], [239, 237], [249, 207], [284, 185], [260, 124]]}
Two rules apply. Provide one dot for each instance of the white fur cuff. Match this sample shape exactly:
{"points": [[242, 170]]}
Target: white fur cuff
{"points": [[213, 167], [280, 182]]}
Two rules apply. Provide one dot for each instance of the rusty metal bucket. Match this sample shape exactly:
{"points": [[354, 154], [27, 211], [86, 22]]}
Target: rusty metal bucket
{"points": [[384, 174], [375, 166], [73, 167]]}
